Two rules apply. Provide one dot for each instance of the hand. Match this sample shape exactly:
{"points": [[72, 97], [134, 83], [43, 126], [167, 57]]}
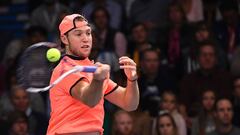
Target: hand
{"points": [[102, 71], [129, 67]]}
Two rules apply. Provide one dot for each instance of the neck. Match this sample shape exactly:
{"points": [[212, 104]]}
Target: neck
{"points": [[224, 128], [72, 56], [177, 25], [209, 114], [151, 76], [207, 71], [76, 57]]}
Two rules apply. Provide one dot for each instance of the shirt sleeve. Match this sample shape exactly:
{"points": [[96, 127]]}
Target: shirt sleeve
{"points": [[111, 86], [68, 82]]}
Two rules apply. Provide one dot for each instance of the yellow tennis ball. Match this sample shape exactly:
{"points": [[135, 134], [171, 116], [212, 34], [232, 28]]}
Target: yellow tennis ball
{"points": [[53, 55]]}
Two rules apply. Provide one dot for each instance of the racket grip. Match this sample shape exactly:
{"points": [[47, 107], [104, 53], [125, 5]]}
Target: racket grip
{"points": [[90, 69]]}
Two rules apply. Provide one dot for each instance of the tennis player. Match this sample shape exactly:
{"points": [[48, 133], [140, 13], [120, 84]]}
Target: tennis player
{"points": [[77, 101]]}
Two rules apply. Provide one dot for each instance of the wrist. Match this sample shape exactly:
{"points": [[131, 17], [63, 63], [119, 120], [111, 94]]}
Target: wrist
{"points": [[98, 80], [133, 79]]}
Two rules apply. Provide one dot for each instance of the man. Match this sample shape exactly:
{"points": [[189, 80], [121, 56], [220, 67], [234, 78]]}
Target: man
{"points": [[208, 76], [20, 100], [236, 101], [139, 41], [77, 102], [224, 115], [154, 80], [123, 123]]}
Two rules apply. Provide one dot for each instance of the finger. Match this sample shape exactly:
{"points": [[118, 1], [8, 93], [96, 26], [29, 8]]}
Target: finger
{"points": [[98, 64], [127, 62], [128, 67], [124, 57]]}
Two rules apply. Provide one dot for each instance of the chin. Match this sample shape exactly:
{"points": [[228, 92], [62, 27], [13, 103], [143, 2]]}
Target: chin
{"points": [[86, 55]]}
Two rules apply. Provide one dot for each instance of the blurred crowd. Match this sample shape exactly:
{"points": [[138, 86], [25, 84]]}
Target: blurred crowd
{"points": [[187, 52]]}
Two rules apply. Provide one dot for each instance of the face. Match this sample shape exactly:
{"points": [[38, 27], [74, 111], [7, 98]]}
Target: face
{"points": [[237, 88], [207, 58], [139, 34], [20, 100], [208, 100], [20, 127], [124, 124], [78, 41], [230, 16], [169, 102], [175, 15], [202, 35], [165, 126], [224, 112], [150, 63], [100, 19]]}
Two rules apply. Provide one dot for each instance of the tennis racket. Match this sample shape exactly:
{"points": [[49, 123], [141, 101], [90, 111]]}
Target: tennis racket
{"points": [[34, 70]]}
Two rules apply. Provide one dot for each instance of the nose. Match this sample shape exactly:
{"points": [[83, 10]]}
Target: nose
{"points": [[85, 38]]}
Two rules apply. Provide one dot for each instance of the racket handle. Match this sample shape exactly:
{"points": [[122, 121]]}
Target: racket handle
{"points": [[90, 69]]}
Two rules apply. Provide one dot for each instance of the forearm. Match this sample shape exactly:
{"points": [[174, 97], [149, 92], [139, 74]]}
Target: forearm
{"points": [[131, 97], [92, 94]]}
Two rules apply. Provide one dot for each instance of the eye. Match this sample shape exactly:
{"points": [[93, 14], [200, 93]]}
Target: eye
{"points": [[78, 34], [88, 33]]}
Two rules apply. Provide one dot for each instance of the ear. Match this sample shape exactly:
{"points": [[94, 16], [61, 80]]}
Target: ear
{"points": [[64, 39]]}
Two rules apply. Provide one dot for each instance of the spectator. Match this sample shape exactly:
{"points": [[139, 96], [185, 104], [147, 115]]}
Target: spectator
{"points": [[34, 34], [139, 41], [109, 39], [153, 80], [143, 123], [36, 100], [37, 121], [48, 15], [193, 10], [201, 34], [169, 103], [122, 123], [175, 39], [236, 102], [205, 122], [18, 123], [207, 76], [111, 43], [234, 63], [210, 11], [224, 115], [115, 11], [166, 124], [227, 30], [152, 13]]}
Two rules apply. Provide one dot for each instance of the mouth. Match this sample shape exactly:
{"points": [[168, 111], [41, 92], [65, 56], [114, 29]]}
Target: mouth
{"points": [[85, 46]]}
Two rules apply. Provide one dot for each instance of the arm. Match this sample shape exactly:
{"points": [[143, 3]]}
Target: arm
{"points": [[91, 94], [126, 98]]}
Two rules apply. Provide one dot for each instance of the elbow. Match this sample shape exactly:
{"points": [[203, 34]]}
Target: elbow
{"points": [[90, 104], [131, 108]]}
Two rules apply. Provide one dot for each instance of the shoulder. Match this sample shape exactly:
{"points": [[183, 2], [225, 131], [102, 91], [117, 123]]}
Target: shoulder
{"points": [[236, 131], [212, 133], [113, 4], [190, 77]]}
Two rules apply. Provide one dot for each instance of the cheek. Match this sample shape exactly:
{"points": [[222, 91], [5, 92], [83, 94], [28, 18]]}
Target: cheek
{"points": [[160, 129], [237, 91], [205, 102], [164, 105], [16, 101], [15, 127]]}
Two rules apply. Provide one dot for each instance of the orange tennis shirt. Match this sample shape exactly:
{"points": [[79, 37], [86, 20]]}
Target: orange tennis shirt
{"points": [[69, 115]]}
